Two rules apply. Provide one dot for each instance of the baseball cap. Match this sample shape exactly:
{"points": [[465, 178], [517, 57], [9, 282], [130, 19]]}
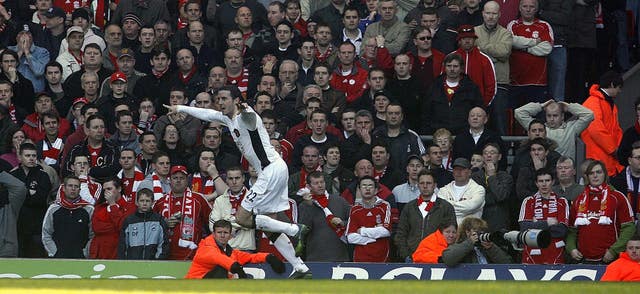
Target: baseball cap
{"points": [[80, 12], [178, 168], [461, 162], [74, 29], [466, 31], [80, 100], [125, 52], [55, 12], [416, 157], [132, 16], [118, 76]]}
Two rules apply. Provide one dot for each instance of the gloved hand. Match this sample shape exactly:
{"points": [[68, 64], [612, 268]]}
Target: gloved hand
{"points": [[276, 264], [236, 268]]}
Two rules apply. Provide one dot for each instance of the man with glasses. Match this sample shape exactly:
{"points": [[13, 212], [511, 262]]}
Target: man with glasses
{"points": [[427, 61], [498, 185]]}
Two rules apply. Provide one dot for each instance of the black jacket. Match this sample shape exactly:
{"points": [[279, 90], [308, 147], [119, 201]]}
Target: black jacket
{"points": [[106, 107], [557, 13], [108, 160], [144, 236], [465, 146], [156, 89], [438, 113], [35, 204], [410, 94]]}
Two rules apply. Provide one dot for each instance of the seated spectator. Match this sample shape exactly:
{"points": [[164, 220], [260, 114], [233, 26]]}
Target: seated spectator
{"points": [[395, 32], [71, 59], [50, 147], [8, 95], [566, 185], [349, 76], [498, 185], [326, 214], [468, 249], [383, 172], [311, 160], [422, 216], [357, 146], [401, 140], [434, 165], [452, 96], [206, 178], [466, 196], [158, 84], [539, 157], [340, 176], [119, 84], [545, 211], [16, 195], [171, 144], [53, 86], [601, 220], [562, 132], [36, 200], [76, 83], [110, 212], [364, 167], [320, 137], [187, 125], [158, 181], [426, 61], [473, 139], [130, 175], [146, 115], [627, 267], [32, 59], [133, 245], [479, 66], [12, 141], [409, 190], [444, 139], [126, 136], [431, 247], [407, 89], [522, 156], [34, 123], [66, 230]]}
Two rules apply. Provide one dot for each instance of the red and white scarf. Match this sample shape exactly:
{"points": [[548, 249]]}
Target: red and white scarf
{"points": [[157, 187], [235, 200], [379, 174], [241, 81], [322, 57], [322, 201], [538, 207], [632, 196], [187, 209], [426, 205], [12, 113], [606, 211], [71, 204], [89, 191], [130, 186], [51, 151], [197, 184]]}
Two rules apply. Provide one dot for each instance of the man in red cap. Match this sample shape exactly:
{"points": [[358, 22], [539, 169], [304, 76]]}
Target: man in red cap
{"points": [[478, 66], [106, 104], [186, 212]]}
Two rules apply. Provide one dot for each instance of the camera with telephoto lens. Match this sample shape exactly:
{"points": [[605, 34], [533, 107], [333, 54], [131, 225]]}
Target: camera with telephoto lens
{"points": [[533, 238]]}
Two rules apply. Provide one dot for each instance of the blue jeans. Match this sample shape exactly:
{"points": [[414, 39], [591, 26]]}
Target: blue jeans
{"points": [[499, 107], [557, 63], [622, 48]]}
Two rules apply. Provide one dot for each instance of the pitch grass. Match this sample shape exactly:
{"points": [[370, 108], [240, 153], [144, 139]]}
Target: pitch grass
{"points": [[306, 286]]}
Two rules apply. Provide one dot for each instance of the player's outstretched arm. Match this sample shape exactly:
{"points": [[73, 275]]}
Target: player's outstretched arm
{"points": [[199, 113]]}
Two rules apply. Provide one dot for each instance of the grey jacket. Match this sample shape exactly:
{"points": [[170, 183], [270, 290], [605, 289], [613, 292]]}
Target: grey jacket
{"points": [[499, 190], [15, 191], [463, 253]]}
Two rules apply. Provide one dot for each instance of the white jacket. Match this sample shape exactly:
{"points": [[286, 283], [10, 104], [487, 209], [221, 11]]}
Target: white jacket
{"points": [[471, 202]]}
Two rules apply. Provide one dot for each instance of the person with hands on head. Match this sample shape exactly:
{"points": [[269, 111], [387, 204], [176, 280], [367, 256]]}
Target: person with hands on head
{"points": [[216, 259]]}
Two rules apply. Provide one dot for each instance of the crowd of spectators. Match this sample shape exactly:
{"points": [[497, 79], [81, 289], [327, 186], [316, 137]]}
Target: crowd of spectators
{"points": [[93, 166]]}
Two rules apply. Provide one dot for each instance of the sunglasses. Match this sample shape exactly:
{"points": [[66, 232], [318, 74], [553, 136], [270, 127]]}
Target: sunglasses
{"points": [[425, 38]]}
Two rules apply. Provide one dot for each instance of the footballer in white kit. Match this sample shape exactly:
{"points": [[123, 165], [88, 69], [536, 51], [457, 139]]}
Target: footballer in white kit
{"points": [[268, 197]]}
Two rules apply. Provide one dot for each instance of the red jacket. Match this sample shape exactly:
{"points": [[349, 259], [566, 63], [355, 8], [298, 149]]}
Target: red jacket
{"points": [[34, 129], [430, 248], [602, 137], [106, 223], [623, 269], [479, 67], [383, 60], [353, 84], [209, 255]]}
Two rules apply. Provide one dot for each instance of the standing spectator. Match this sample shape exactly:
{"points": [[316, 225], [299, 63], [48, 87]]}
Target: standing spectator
{"points": [[53, 86], [50, 148], [409, 191], [150, 11], [495, 41], [37, 188], [545, 210], [376, 82], [466, 196], [188, 76], [91, 64], [204, 179], [564, 133], [126, 63], [54, 31], [90, 190], [187, 214], [629, 180], [109, 214], [66, 230], [158, 84], [566, 186], [470, 14], [333, 101], [557, 14], [132, 244], [401, 140], [540, 156], [434, 164], [369, 226], [422, 216], [383, 172], [82, 18], [630, 136], [130, 175], [34, 123], [465, 249], [158, 181], [357, 146], [119, 84], [477, 137], [581, 41], [9, 211], [603, 136], [407, 89], [331, 15], [444, 36], [226, 206], [235, 73], [148, 41], [532, 42], [426, 62], [395, 32], [339, 175], [18, 87], [71, 59], [478, 66], [452, 96], [498, 185], [113, 37], [226, 14], [311, 159], [187, 125], [601, 220], [148, 146], [326, 214], [31, 59], [351, 32]]}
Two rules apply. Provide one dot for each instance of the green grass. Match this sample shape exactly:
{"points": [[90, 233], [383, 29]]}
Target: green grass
{"points": [[317, 286]]}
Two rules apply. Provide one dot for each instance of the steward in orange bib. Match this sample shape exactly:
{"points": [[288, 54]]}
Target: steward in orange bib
{"points": [[215, 259]]}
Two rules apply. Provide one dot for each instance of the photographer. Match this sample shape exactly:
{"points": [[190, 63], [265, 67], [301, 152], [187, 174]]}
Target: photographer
{"points": [[468, 249]]}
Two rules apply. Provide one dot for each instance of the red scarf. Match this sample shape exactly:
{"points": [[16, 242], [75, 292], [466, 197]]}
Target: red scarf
{"points": [[71, 204], [605, 212], [185, 79], [114, 61], [379, 174], [429, 204], [304, 173], [322, 201], [322, 57], [235, 200], [187, 228], [130, 185], [159, 74], [538, 207], [12, 113], [157, 187], [78, 59], [197, 184]]}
